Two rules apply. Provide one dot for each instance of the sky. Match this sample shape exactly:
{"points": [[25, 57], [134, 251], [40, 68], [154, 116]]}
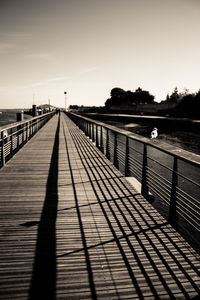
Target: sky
{"points": [[88, 47]]}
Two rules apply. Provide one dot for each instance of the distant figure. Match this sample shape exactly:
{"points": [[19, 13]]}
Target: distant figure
{"points": [[154, 133]]}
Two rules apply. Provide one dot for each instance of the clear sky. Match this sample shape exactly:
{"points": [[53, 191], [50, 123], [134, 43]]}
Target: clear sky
{"points": [[88, 47]]}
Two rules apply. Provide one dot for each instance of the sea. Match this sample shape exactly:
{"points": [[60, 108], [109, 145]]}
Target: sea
{"points": [[8, 116]]}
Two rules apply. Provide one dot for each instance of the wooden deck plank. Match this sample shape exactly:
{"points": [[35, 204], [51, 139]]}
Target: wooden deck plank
{"points": [[72, 227]]}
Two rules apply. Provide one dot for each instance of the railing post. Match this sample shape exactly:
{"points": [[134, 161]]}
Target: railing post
{"points": [[90, 130], [2, 149], [30, 129], [37, 125], [33, 127], [97, 142], [23, 133], [27, 131], [107, 144], [115, 160], [126, 171], [11, 141], [101, 140], [93, 132], [173, 215], [18, 136], [144, 188]]}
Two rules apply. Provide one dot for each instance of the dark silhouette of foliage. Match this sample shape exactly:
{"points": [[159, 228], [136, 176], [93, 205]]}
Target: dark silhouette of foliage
{"points": [[143, 96], [188, 104], [117, 93], [175, 96], [121, 97]]}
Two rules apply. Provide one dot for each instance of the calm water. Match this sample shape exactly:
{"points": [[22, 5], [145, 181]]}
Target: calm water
{"points": [[8, 116], [186, 140]]}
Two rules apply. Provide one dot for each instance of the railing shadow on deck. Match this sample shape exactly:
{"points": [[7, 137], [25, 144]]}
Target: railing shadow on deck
{"points": [[120, 203], [43, 284], [169, 178]]}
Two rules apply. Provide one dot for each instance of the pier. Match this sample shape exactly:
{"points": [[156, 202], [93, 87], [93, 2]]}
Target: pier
{"points": [[73, 227]]}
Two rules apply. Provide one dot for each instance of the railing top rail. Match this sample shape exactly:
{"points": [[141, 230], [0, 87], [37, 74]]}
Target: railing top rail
{"points": [[9, 126], [164, 147]]}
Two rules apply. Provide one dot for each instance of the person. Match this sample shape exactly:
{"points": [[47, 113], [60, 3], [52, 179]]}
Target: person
{"points": [[154, 133]]}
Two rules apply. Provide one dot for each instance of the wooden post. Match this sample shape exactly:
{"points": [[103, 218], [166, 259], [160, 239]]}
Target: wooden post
{"points": [[126, 171], [144, 188], [173, 215], [2, 149]]}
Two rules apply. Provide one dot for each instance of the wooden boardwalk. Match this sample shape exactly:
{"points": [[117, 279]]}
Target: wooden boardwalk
{"points": [[72, 227]]}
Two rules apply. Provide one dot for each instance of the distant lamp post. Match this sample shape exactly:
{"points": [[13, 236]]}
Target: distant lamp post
{"points": [[65, 93]]}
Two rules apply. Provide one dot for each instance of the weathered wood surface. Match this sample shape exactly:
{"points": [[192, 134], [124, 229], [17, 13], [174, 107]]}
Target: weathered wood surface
{"points": [[72, 227]]}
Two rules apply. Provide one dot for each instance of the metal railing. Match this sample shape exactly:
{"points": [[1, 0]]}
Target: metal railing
{"points": [[170, 176], [14, 136]]}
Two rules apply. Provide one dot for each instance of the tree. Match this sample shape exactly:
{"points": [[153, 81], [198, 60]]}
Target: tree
{"points": [[143, 96], [121, 97], [175, 96], [117, 92]]}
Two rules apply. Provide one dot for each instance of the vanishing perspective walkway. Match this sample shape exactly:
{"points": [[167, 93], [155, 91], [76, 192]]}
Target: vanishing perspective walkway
{"points": [[73, 227]]}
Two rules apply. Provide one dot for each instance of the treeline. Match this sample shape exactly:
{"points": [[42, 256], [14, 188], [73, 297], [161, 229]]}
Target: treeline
{"points": [[188, 104], [88, 109]]}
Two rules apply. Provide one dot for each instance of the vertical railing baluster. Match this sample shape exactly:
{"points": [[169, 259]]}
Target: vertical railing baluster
{"points": [[97, 139], [11, 142], [2, 149], [89, 130], [107, 144], [173, 215], [23, 133], [101, 140], [27, 131], [18, 133], [93, 132], [144, 187], [115, 158], [126, 171]]}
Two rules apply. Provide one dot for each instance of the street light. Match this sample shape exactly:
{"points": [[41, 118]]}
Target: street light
{"points": [[65, 93]]}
